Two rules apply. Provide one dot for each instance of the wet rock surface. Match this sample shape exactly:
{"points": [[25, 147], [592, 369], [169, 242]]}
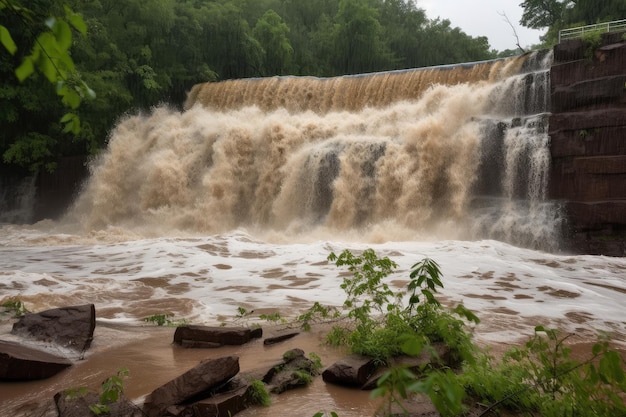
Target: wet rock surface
{"points": [[587, 125], [23, 363], [70, 327]]}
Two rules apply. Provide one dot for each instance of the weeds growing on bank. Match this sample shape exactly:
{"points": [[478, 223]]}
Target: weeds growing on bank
{"points": [[538, 379]]}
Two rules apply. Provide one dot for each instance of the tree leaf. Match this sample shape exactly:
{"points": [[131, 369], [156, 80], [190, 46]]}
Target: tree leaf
{"points": [[7, 40], [25, 69]]}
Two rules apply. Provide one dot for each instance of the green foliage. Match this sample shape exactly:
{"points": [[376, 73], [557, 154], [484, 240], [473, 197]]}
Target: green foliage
{"points": [[561, 14], [15, 306], [323, 414], [317, 313], [50, 56], [316, 362], [260, 394], [543, 378], [274, 317], [592, 41], [112, 389], [164, 320], [380, 320], [138, 54]]}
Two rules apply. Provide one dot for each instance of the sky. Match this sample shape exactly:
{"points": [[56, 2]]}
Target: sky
{"points": [[483, 18]]}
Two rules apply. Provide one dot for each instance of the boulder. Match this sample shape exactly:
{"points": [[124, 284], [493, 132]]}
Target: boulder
{"points": [[351, 371], [75, 403], [197, 383], [21, 363], [281, 337], [225, 404], [208, 336], [294, 371], [70, 327]]}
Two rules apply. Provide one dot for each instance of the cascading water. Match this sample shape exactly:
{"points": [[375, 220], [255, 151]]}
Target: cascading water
{"points": [[454, 152], [17, 198]]}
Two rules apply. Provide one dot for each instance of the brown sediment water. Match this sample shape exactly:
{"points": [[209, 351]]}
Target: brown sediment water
{"points": [[152, 360]]}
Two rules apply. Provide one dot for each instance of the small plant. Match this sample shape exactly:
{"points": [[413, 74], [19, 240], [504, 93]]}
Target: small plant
{"points": [[259, 393], [317, 313], [303, 377], [112, 389], [273, 317], [164, 320], [242, 313], [15, 306], [326, 414], [592, 41], [316, 362], [379, 317]]}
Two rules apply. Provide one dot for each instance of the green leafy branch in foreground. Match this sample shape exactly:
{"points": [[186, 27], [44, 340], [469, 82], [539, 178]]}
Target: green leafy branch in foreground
{"points": [[50, 56], [541, 378]]}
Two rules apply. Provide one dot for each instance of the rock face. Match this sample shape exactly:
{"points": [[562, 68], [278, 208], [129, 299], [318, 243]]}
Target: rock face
{"points": [[588, 142], [201, 379], [70, 327], [211, 337], [20, 363], [75, 404]]}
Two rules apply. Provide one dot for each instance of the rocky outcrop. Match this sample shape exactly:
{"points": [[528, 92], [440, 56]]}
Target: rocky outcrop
{"points": [[21, 363], [588, 142], [70, 327], [216, 388], [73, 403], [211, 337], [351, 371], [196, 382]]}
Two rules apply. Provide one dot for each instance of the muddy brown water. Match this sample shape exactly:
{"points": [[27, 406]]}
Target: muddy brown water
{"points": [[152, 360]]}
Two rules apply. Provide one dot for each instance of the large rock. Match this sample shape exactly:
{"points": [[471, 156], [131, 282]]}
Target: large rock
{"points": [[226, 403], [294, 371], [208, 336], [195, 384], [74, 403], [20, 363], [351, 371], [70, 327]]}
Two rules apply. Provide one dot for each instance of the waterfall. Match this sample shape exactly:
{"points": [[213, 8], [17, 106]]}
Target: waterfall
{"points": [[17, 198], [454, 152]]}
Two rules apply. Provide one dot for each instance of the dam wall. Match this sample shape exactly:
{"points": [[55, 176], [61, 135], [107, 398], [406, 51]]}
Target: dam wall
{"points": [[587, 129]]}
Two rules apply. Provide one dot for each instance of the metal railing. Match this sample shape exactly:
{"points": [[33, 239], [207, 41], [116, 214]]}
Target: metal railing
{"points": [[578, 32]]}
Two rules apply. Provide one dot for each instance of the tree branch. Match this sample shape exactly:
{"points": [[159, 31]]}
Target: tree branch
{"points": [[506, 18]]}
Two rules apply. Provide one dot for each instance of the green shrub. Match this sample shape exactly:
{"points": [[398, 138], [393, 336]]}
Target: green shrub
{"points": [[259, 393], [542, 378], [379, 319]]}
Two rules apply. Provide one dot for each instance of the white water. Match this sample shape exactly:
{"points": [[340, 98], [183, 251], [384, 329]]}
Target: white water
{"points": [[204, 279]]}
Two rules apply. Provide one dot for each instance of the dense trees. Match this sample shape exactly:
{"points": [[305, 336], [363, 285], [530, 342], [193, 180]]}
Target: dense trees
{"points": [[560, 14], [136, 54]]}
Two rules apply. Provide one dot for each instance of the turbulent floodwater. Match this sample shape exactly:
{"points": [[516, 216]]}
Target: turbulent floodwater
{"points": [[238, 201]]}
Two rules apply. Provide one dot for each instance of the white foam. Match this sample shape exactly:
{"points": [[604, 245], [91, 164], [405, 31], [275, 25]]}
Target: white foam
{"points": [[205, 279]]}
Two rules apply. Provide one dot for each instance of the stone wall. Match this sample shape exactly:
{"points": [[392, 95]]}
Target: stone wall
{"points": [[588, 142]]}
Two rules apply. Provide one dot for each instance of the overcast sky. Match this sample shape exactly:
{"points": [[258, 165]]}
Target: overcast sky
{"points": [[481, 18]]}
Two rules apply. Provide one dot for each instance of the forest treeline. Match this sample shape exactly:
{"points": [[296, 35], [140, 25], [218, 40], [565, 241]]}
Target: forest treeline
{"points": [[139, 53]]}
